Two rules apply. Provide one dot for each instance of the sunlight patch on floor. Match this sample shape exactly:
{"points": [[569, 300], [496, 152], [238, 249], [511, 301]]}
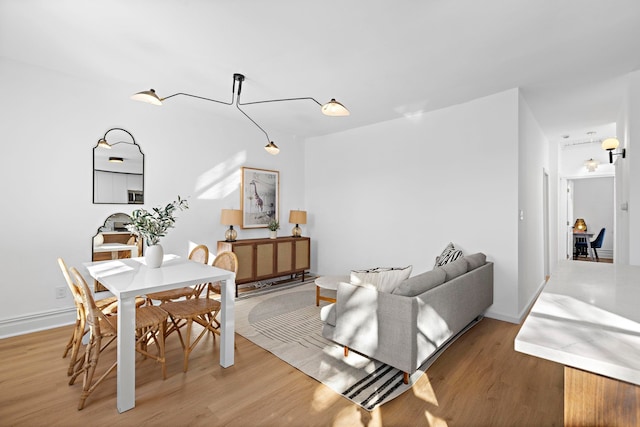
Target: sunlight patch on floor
{"points": [[423, 390]]}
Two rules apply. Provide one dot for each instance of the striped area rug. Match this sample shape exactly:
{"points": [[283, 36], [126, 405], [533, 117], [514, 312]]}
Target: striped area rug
{"points": [[287, 323]]}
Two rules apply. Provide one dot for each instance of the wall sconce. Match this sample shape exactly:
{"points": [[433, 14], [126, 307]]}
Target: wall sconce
{"points": [[297, 217], [591, 165], [230, 217], [580, 225], [331, 108], [611, 144]]}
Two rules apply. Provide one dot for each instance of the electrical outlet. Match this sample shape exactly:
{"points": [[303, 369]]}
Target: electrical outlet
{"points": [[61, 292]]}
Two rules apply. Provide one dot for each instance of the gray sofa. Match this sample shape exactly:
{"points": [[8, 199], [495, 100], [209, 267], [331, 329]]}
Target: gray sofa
{"points": [[421, 315]]}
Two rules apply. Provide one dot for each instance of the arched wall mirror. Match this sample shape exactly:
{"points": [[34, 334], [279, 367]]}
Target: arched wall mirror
{"points": [[114, 241], [118, 169]]}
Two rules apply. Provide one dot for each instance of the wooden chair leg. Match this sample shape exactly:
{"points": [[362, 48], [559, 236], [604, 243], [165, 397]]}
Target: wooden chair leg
{"points": [[346, 351], [405, 378], [187, 347]]}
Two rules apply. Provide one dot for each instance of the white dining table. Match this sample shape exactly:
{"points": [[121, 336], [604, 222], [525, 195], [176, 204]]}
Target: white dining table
{"points": [[130, 277]]}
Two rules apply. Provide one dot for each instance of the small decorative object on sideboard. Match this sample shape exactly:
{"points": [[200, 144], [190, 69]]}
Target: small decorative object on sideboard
{"points": [[273, 229], [297, 218], [152, 226]]}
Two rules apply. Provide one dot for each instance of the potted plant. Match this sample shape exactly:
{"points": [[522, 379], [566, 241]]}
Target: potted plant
{"points": [[151, 226], [273, 226]]}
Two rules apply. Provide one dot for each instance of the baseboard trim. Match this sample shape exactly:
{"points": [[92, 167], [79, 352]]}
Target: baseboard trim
{"points": [[37, 322]]}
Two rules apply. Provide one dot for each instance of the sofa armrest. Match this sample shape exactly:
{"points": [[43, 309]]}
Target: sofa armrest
{"points": [[377, 324]]}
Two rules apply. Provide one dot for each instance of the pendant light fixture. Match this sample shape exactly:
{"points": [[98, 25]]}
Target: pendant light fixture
{"points": [[331, 108]]}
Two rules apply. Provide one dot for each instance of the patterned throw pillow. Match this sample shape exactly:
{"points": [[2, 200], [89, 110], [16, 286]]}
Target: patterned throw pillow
{"points": [[381, 278], [449, 254]]}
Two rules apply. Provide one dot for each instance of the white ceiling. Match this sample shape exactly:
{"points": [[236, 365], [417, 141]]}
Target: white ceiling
{"points": [[382, 59]]}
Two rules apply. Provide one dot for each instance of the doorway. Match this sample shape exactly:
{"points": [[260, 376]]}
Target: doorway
{"points": [[592, 199]]}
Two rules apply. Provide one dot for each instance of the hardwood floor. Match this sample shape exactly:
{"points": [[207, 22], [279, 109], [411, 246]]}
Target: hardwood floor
{"points": [[479, 381]]}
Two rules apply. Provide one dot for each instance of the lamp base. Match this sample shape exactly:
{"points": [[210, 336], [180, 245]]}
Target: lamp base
{"points": [[296, 231], [230, 235]]}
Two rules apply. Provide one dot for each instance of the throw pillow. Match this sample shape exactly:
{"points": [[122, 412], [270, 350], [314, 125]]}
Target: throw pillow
{"points": [[380, 278], [449, 254], [455, 268], [476, 260], [420, 283]]}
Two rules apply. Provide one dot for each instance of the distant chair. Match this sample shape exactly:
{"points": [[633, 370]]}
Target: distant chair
{"points": [[581, 246], [597, 243]]}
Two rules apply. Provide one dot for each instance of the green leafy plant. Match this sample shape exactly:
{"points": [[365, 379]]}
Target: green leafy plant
{"points": [[153, 225], [274, 225]]}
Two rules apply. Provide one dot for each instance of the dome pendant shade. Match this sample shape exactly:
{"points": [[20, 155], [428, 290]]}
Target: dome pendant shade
{"points": [[334, 108], [148, 96], [272, 148], [610, 144]]}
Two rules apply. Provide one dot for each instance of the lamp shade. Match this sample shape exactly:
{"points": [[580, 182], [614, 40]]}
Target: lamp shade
{"points": [[591, 165], [297, 217], [580, 225], [104, 144], [272, 148], [231, 217], [148, 96], [610, 144], [334, 108]]}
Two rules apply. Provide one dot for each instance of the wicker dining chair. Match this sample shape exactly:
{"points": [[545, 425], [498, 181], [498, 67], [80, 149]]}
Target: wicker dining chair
{"points": [[108, 306], [150, 327], [200, 309], [199, 254], [226, 261]]}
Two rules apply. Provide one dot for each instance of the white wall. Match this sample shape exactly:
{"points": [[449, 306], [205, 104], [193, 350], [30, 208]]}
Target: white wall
{"points": [[50, 124], [632, 165], [532, 163], [396, 193]]}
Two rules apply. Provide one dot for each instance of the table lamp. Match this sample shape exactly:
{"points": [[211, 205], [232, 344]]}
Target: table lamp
{"points": [[230, 217], [297, 217], [580, 225]]}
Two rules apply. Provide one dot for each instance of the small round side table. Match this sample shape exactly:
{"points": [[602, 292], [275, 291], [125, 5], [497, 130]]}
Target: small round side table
{"points": [[330, 283]]}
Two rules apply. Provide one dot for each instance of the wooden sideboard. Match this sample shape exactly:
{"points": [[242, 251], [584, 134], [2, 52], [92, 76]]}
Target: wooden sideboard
{"points": [[260, 259]]}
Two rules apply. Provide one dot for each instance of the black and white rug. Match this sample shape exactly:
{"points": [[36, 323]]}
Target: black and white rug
{"points": [[287, 323]]}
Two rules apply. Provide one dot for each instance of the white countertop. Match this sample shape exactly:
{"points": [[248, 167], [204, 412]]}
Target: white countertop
{"points": [[588, 317]]}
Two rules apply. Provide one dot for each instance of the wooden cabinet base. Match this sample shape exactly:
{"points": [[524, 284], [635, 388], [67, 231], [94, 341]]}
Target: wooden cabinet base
{"points": [[260, 259], [594, 400]]}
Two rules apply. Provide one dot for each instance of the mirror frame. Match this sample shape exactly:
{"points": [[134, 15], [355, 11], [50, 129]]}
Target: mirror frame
{"points": [[134, 143]]}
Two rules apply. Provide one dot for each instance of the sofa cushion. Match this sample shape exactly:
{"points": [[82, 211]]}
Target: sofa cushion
{"points": [[381, 278], [449, 254], [455, 268], [476, 260], [420, 283]]}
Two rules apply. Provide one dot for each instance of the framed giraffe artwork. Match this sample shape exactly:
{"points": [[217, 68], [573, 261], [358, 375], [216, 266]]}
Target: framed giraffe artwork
{"points": [[259, 197]]}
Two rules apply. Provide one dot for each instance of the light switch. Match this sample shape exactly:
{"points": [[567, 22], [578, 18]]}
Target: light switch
{"points": [[521, 215]]}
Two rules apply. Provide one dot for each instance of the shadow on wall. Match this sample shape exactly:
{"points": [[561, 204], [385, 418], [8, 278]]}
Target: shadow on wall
{"points": [[221, 180]]}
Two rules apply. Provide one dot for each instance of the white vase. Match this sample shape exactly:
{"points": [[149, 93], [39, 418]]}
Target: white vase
{"points": [[273, 234], [153, 256]]}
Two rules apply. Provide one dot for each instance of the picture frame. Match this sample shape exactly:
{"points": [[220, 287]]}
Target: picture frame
{"points": [[259, 197]]}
